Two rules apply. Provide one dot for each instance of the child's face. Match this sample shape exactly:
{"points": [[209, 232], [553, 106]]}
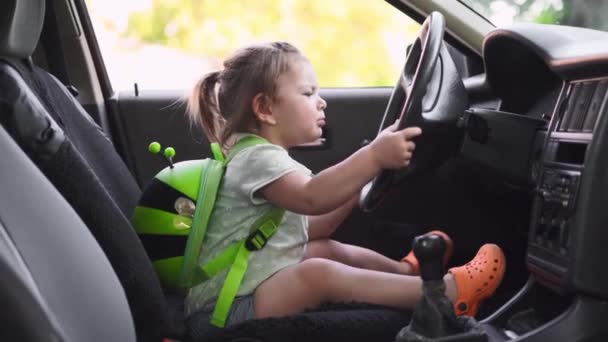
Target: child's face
{"points": [[298, 108]]}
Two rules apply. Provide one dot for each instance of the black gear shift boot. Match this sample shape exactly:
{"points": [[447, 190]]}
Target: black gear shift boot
{"points": [[434, 319]]}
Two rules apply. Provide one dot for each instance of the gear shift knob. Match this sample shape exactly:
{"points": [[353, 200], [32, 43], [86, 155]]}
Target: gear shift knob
{"points": [[429, 250], [434, 318]]}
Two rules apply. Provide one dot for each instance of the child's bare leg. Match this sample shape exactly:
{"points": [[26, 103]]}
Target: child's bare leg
{"points": [[355, 256], [314, 281]]}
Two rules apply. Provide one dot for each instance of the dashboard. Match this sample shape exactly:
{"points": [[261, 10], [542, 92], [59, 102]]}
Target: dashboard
{"points": [[557, 78]]}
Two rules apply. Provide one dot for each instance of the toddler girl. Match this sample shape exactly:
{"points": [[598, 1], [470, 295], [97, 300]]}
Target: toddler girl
{"points": [[271, 91]]}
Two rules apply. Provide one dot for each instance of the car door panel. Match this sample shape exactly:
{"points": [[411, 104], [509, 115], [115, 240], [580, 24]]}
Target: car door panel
{"points": [[353, 116]]}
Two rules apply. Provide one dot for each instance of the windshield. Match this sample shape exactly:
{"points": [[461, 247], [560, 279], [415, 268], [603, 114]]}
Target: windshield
{"points": [[581, 13]]}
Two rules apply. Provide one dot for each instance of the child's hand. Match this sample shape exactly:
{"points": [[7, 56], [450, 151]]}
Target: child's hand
{"points": [[393, 149]]}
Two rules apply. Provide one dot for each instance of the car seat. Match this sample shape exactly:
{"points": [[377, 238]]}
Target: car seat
{"points": [[86, 169], [57, 284]]}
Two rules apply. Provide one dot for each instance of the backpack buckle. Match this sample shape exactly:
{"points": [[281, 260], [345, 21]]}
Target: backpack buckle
{"points": [[255, 241], [258, 238]]}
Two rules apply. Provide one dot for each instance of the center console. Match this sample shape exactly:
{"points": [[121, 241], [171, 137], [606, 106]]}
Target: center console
{"points": [[567, 293], [558, 245]]}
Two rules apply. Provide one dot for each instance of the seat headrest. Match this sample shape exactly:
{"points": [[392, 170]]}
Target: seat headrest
{"points": [[20, 26]]}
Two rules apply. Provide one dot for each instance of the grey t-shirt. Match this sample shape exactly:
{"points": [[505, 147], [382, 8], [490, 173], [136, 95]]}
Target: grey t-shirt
{"points": [[236, 208]]}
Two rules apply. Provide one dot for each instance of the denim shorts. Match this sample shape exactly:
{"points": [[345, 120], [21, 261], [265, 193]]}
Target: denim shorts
{"points": [[242, 309]]}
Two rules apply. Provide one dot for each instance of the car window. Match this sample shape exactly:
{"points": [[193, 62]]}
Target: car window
{"points": [[169, 44], [560, 12]]}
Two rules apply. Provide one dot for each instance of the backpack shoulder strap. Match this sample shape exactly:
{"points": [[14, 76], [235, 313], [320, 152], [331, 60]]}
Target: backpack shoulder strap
{"points": [[236, 255], [244, 142], [211, 175]]}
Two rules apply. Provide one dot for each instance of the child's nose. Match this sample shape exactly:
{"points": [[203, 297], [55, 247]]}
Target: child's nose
{"points": [[322, 104]]}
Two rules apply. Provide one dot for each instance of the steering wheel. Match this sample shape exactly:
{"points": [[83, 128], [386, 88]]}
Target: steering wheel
{"points": [[429, 94]]}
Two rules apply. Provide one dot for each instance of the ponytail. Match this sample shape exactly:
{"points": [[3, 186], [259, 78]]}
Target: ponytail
{"points": [[220, 103], [203, 108]]}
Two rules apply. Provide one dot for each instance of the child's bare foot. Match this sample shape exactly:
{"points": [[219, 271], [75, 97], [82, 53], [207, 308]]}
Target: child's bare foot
{"points": [[476, 280], [411, 261]]}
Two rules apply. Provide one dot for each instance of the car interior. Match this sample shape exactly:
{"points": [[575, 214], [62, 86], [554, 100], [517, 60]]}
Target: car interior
{"points": [[515, 128]]}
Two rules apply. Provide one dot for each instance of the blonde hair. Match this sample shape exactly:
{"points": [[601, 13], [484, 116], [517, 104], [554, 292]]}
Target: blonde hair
{"points": [[220, 102]]}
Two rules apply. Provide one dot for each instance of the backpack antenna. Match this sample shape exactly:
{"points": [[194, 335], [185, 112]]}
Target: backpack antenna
{"points": [[168, 153]]}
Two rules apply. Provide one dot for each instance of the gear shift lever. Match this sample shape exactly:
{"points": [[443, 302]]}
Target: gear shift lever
{"points": [[429, 250], [434, 318]]}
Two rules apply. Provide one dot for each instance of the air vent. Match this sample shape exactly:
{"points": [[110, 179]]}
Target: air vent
{"points": [[587, 100]]}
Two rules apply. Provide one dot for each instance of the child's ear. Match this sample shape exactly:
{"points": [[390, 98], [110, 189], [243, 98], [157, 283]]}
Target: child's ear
{"points": [[261, 107]]}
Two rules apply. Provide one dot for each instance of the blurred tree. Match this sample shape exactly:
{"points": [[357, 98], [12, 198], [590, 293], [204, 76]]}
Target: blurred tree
{"points": [[350, 43], [586, 13], [581, 13]]}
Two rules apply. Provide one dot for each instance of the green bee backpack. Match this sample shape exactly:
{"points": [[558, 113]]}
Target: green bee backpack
{"points": [[171, 219]]}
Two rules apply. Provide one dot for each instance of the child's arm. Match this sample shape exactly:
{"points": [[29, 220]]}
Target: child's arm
{"points": [[334, 186], [322, 226]]}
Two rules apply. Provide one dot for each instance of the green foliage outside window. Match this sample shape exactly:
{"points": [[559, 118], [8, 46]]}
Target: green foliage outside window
{"points": [[581, 13], [349, 42]]}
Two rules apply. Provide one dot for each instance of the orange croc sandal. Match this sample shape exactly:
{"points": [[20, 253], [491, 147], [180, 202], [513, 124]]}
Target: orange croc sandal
{"points": [[410, 258], [478, 279]]}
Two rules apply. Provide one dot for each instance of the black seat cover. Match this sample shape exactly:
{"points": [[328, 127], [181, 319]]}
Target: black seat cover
{"points": [[57, 285], [32, 127], [88, 138]]}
